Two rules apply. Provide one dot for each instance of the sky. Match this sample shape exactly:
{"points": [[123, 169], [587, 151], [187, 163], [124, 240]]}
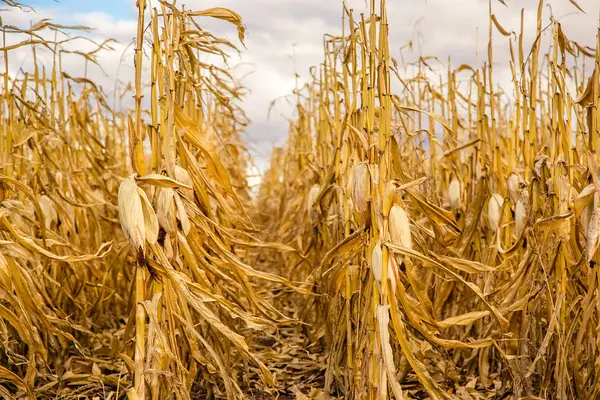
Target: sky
{"points": [[278, 29]]}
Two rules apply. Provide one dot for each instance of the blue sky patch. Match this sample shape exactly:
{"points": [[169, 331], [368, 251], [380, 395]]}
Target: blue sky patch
{"points": [[119, 9]]}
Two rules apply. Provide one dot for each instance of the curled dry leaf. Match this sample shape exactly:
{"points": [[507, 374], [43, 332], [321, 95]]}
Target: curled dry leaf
{"points": [[227, 15], [464, 319]]}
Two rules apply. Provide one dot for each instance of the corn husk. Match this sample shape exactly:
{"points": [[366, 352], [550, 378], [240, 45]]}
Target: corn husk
{"points": [[360, 187], [399, 227], [454, 194], [138, 220], [165, 211], [377, 267], [520, 217], [513, 183], [49, 209], [593, 236], [494, 211], [388, 197], [182, 175], [584, 205], [376, 263], [311, 198]]}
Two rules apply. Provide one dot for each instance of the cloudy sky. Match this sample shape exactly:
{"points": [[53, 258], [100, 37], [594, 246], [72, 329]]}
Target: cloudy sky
{"points": [[278, 28]]}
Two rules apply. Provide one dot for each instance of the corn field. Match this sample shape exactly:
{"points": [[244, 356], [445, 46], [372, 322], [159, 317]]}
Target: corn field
{"points": [[423, 233]]}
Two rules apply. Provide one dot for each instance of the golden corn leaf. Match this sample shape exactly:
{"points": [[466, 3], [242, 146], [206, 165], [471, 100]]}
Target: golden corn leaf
{"points": [[162, 181]]}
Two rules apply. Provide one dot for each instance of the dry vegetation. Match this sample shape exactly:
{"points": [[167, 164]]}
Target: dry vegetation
{"points": [[420, 236]]}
